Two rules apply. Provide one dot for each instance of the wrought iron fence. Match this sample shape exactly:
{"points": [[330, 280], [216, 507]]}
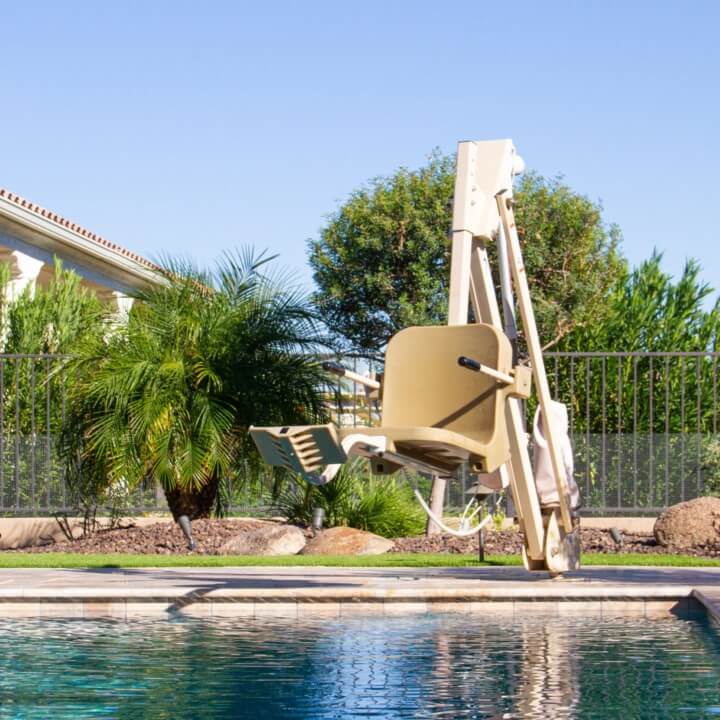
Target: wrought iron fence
{"points": [[32, 408], [33, 414], [644, 428]]}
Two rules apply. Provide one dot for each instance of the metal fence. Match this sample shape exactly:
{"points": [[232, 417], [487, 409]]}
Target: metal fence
{"points": [[33, 416], [644, 428], [32, 406]]}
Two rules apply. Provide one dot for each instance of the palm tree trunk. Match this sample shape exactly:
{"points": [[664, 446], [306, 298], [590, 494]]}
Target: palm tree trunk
{"points": [[195, 502]]}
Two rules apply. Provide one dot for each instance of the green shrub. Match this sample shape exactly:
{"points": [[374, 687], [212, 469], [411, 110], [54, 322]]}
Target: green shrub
{"points": [[355, 498], [385, 506], [711, 466]]}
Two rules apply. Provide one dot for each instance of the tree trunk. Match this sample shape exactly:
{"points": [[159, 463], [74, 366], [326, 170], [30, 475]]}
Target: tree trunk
{"points": [[195, 503], [437, 503]]}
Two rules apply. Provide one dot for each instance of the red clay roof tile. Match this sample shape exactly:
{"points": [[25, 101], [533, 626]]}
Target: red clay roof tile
{"points": [[74, 227]]}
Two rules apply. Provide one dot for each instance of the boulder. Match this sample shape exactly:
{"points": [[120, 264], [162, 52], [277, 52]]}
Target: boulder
{"points": [[347, 541], [268, 540], [690, 524]]}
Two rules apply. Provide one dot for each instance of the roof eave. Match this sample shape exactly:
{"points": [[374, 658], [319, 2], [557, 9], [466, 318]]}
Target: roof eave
{"points": [[67, 237]]}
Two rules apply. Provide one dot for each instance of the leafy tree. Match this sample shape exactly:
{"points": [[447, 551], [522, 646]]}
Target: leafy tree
{"points": [[171, 394], [36, 327], [647, 311], [382, 261], [665, 406], [52, 319]]}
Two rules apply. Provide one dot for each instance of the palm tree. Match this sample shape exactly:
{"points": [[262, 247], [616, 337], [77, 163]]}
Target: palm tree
{"points": [[171, 394]]}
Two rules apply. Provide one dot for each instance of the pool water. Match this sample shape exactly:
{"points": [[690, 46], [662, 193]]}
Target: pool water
{"points": [[434, 666]]}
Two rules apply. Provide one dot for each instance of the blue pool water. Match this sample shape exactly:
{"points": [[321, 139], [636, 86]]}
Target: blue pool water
{"points": [[447, 666]]}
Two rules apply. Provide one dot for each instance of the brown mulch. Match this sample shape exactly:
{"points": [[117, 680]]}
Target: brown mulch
{"points": [[162, 538], [509, 542], [166, 538]]}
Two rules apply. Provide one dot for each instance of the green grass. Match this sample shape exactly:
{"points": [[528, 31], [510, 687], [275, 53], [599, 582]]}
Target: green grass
{"points": [[71, 560], [638, 559]]}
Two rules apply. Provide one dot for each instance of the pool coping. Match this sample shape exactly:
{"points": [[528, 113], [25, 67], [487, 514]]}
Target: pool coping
{"points": [[255, 592]]}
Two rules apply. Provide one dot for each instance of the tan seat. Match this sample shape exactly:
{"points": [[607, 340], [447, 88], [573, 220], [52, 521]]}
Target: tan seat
{"points": [[434, 412], [437, 412]]}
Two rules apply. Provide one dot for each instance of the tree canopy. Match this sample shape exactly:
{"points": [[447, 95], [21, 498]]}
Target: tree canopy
{"points": [[52, 319], [647, 310], [382, 260]]}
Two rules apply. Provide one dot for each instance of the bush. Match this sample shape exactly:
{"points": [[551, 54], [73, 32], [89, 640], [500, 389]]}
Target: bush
{"points": [[711, 467], [385, 506], [355, 498]]}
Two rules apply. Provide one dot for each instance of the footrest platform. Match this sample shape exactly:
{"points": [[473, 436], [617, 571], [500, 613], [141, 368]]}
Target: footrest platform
{"points": [[301, 448]]}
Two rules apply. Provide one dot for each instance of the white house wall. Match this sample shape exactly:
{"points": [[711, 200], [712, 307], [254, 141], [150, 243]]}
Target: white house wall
{"points": [[11, 243]]}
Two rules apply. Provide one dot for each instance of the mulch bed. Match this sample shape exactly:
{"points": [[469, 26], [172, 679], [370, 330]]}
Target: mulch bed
{"points": [[162, 538], [166, 538], [509, 542]]}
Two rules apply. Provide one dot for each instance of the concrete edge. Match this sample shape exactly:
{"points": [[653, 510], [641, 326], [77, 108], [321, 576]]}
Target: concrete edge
{"points": [[157, 607], [563, 599], [560, 592]]}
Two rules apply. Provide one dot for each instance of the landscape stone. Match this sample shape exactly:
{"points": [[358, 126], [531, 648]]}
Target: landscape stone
{"points": [[347, 541], [690, 524], [267, 540]]}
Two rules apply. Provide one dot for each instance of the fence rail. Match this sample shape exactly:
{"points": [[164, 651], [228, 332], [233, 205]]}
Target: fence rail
{"points": [[32, 405], [33, 417], [644, 428]]}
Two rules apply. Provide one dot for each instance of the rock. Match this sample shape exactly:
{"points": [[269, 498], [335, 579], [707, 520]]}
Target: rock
{"points": [[268, 540], [690, 524], [347, 541]]}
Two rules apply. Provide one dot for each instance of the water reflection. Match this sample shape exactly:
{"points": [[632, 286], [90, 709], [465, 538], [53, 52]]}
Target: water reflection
{"points": [[549, 685], [449, 666]]}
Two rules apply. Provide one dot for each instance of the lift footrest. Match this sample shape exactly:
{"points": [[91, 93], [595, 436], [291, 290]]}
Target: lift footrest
{"points": [[301, 448]]}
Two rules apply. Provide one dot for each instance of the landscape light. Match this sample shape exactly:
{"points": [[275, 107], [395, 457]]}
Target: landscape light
{"points": [[186, 527], [318, 520]]}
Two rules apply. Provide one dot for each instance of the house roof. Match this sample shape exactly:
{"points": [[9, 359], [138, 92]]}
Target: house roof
{"points": [[94, 238]]}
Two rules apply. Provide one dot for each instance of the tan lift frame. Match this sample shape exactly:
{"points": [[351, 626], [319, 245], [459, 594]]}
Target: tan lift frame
{"points": [[483, 205]]}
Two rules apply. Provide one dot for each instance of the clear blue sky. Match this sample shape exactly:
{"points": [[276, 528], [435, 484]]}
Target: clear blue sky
{"points": [[192, 127]]}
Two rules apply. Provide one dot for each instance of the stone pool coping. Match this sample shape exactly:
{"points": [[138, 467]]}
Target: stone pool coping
{"points": [[336, 592]]}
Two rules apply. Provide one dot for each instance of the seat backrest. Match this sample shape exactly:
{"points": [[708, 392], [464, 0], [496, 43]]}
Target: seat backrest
{"points": [[424, 386]]}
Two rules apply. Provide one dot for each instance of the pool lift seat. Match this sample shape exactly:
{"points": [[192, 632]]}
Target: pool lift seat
{"points": [[437, 413]]}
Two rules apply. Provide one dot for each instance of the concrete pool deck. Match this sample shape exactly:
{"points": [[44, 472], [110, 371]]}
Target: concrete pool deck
{"points": [[335, 592]]}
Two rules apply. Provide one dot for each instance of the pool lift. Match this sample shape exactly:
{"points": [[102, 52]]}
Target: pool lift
{"points": [[451, 395]]}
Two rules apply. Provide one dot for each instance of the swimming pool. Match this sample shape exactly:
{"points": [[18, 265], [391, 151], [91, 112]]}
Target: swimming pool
{"points": [[432, 666]]}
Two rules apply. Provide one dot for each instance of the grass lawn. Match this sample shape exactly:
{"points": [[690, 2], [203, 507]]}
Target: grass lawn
{"points": [[70, 560]]}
